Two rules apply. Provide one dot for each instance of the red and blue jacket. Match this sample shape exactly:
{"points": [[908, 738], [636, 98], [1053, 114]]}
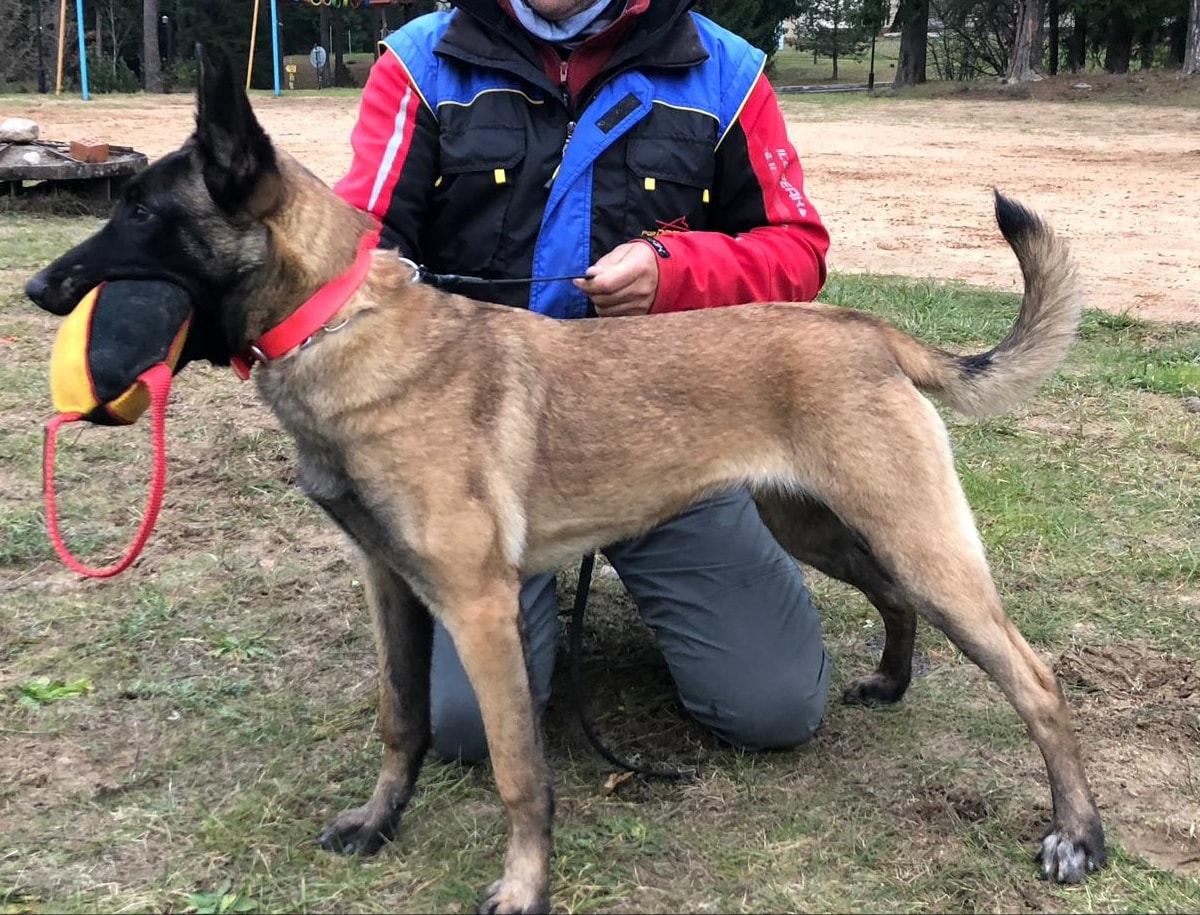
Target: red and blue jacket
{"points": [[484, 153]]}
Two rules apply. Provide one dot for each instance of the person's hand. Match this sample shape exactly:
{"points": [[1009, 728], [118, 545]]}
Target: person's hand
{"points": [[623, 282]]}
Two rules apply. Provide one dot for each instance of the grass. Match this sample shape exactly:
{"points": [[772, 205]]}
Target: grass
{"points": [[799, 68], [229, 704], [1158, 87]]}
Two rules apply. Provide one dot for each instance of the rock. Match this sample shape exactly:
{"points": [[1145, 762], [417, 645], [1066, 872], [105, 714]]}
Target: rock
{"points": [[1082, 86], [18, 130], [1192, 404]]}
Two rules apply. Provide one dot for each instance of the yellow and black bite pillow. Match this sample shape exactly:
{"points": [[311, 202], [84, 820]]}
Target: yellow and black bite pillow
{"points": [[118, 330]]}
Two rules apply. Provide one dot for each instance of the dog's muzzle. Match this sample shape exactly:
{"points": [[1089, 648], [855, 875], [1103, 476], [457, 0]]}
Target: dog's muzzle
{"points": [[37, 288]]}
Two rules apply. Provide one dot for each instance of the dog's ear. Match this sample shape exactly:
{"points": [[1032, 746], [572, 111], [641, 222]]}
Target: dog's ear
{"points": [[237, 155]]}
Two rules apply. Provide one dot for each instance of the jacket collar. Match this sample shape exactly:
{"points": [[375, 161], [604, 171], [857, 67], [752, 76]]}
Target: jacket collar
{"points": [[486, 33]]}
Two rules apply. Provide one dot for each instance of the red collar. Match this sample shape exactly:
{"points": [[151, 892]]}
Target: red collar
{"points": [[309, 319]]}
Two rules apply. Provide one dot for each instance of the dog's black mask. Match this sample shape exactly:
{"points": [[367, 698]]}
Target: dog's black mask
{"points": [[189, 219]]}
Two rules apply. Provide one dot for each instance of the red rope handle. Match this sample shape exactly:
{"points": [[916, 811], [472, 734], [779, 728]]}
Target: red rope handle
{"points": [[158, 380]]}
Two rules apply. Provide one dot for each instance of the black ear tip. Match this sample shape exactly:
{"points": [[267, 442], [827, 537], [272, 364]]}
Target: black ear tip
{"points": [[217, 79]]}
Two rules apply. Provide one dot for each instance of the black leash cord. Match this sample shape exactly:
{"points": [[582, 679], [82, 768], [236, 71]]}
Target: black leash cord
{"points": [[444, 280], [576, 648]]}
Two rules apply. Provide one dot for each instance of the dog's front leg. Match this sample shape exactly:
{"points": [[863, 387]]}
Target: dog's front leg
{"points": [[486, 634], [403, 642]]}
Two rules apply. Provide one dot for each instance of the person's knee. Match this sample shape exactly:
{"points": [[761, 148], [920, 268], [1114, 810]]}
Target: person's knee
{"points": [[457, 728], [770, 711], [457, 733]]}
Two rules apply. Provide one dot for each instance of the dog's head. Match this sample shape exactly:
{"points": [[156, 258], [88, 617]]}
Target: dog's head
{"points": [[193, 218]]}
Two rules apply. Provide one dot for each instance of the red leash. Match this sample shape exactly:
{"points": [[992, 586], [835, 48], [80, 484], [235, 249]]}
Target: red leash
{"points": [[157, 379]]}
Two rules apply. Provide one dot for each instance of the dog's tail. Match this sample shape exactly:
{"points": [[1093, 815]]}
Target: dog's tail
{"points": [[988, 383]]}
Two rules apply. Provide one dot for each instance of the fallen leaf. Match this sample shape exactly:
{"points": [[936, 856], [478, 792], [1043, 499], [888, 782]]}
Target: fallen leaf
{"points": [[615, 781]]}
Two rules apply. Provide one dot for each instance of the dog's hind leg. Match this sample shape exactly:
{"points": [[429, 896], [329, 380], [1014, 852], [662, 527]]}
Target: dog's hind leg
{"points": [[1074, 843], [907, 504], [404, 643], [812, 534]]}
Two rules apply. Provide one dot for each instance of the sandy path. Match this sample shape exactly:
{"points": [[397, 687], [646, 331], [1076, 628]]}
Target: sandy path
{"points": [[903, 186]]}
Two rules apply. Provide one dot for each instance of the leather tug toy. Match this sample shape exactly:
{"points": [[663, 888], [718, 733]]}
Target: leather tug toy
{"points": [[114, 356], [117, 351]]}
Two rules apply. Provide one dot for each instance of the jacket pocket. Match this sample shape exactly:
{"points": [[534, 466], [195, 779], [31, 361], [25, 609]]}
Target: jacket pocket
{"points": [[473, 197], [671, 180], [481, 149]]}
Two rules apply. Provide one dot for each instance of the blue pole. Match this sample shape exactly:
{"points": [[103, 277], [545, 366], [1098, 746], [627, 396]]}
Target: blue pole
{"points": [[275, 43], [83, 79]]}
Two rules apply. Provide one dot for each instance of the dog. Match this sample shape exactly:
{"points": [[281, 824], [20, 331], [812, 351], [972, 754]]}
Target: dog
{"points": [[463, 446]]}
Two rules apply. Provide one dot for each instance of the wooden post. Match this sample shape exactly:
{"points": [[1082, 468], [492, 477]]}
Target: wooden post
{"points": [[253, 38], [62, 44]]}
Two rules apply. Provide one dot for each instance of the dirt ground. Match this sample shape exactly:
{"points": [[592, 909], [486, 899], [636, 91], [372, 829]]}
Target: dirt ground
{"points": [[902, 184], [904, 187]]}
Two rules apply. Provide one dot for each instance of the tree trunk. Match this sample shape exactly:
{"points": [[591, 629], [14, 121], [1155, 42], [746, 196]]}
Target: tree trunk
{"points": [[377, 22], [151, 62], [100, 38], [1118, 45], [1147, 43], [1077, 46], [1026, 56], [341, 74], [1039, 38], [112, 28], [325, 41], [913, 16], [1191, 48], [1054, 14], [837, 12], [896, 21], [1176, 36]]}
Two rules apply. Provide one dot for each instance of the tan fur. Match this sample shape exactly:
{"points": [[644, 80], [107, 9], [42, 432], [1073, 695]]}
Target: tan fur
{"points": [[1031, 351], [500, 443]]}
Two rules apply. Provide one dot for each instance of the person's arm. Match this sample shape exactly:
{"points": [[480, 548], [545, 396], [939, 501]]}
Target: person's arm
{"points": [[395, 159], [766, 242], [769, 243]]}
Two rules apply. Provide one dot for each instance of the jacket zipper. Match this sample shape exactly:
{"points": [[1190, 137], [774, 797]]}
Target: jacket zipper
{"points": [[564, 92]]}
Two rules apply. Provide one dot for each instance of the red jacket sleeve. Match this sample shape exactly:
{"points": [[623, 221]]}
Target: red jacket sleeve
{"points": [[766, 241], [395, 145]]}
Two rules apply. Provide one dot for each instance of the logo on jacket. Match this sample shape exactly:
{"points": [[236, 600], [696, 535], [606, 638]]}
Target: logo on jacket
{"points": [[666, 228]]}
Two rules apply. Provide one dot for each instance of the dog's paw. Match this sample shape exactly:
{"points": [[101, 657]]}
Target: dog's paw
{"points": [[357, 832], [512, 896], [1068, 860], [874, 689]]}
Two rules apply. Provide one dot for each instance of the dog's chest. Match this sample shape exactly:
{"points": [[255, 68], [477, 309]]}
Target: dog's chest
{"points": [[322, 470]]}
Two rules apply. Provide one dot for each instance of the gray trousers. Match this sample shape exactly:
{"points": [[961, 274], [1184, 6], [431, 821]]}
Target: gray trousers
{"points": [[730, 612]]}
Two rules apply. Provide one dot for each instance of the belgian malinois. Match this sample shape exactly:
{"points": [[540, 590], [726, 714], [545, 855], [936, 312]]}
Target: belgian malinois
{"points": [[463, 446]]}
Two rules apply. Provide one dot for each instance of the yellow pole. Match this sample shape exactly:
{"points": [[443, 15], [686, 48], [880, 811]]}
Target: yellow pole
{"points": [[253, 38], [62, 42]]}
